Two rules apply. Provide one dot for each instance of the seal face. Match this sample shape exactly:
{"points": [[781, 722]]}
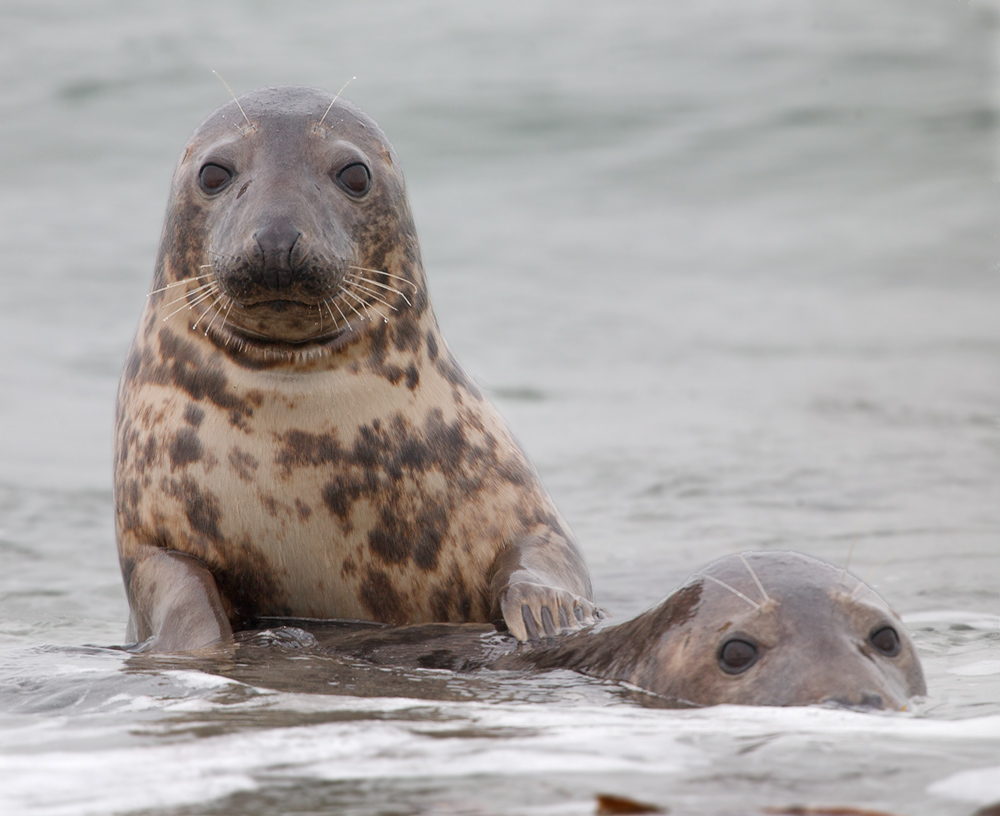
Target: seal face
{"points": [[293, 435]]}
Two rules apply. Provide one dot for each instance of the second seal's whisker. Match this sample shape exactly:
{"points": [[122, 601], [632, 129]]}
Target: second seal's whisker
{"points": [[850, 553], [735, 592], [753, 575]]}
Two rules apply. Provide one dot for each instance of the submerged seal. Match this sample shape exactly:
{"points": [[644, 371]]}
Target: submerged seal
{"points": [[293, 435], [761, 628]]}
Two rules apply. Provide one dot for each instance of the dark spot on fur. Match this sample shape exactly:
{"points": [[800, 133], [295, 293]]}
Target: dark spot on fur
{"points": [[412, 376], [182, 365], [348, 568], [272, 505], [378, 345], [127, 496], [303, 449], [381, 599], [185, 448], [392, 372], [450, 599], [407, 332], [400, 536], [193, 415], [304, 510], [132, 365], [449, 368], [432, 346], [248, 581], [203, 509], [243, 463]]}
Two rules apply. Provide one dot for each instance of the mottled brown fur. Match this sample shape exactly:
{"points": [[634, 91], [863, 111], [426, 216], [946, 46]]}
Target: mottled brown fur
{"points": [[314, 463]]}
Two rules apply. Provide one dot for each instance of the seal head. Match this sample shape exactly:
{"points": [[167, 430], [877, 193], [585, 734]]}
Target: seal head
{"points": [[760, 628]]}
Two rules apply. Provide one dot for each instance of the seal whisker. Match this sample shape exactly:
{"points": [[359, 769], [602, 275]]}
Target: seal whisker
{"points": [[371, 282], [387, 274], [351, 305], [847, 563], [354, 285], [735, 592], [756, 580], [364, 305], [217, 312], [198, 289], [237, 101], [211, 308], [334, 102], [874, 571], [342, 315], [177, 283], [201, 297]]}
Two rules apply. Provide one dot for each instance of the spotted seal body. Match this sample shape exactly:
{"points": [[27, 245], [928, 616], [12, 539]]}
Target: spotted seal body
{"points": [[293, 435], [761, 628]]}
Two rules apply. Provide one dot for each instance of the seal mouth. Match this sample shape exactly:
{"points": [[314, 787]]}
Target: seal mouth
{"points": [[278, 305]]}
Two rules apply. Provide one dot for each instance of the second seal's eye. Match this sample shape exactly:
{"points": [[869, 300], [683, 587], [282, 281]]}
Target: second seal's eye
{"points": [[355, 178], [886, 640], [736, 656], [214, 177]]}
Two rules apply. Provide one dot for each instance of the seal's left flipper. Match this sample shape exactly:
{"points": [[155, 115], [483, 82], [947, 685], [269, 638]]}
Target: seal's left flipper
{"points": [[540, 587]]}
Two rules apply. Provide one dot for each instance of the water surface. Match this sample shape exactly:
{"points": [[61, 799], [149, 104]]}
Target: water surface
{"points": [[730, 272]]}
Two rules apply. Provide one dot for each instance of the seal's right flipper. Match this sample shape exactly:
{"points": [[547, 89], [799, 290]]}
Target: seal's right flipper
{"points": [[175, 603]]}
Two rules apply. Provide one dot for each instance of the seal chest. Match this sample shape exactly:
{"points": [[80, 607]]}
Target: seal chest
{"points": [[293, 435]]}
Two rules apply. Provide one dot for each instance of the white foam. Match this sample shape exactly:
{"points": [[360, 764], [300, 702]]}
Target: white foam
{"points": [[981, 786]]}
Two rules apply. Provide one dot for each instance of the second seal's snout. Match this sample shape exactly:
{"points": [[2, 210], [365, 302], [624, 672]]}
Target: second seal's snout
{"points": [[277, 241]]}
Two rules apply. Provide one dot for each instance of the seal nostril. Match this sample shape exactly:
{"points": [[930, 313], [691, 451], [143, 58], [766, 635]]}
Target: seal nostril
{"points": [[276, 242]]}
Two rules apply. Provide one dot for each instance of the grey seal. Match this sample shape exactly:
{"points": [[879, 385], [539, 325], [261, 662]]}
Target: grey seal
{"points": [[758, 628], [293, 435]]}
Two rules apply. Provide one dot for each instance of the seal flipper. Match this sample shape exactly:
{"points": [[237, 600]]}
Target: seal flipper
{"points": [[175, 604], [540, 587]]}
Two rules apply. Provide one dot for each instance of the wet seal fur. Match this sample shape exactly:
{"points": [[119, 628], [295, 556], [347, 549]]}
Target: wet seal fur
{"points": [[760, 628], [293, 435]]}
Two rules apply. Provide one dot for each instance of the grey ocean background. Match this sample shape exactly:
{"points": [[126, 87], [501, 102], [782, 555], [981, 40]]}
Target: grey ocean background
{"points": [[730, 270]]}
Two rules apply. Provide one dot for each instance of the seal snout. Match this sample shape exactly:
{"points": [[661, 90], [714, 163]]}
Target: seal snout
{"points": [[277, 242]]}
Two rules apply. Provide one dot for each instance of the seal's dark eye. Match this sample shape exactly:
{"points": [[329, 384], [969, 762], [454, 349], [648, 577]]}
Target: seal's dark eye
{"points": [[355, 178], [886, 640], [213, 178], [736, 656]]}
